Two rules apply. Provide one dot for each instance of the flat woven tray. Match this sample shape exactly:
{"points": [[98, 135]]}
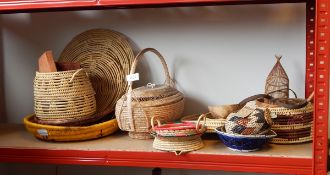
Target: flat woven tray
{"points": [[106, 56], [69, 133]]}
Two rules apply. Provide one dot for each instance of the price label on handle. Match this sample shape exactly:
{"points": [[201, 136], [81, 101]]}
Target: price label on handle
{"points": [[132, 77]]}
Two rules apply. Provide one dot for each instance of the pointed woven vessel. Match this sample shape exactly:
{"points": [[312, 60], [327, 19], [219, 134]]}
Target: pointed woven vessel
{"points": [[277, 83]]}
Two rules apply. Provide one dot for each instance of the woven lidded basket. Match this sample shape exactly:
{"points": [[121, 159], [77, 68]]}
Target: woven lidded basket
{"points": [[135, 109], [211, 122], [106, 56], [63, 98], [291, 125], [69, 133]]}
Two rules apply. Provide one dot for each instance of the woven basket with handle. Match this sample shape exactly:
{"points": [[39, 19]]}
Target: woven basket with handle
{"points": [[63, 98], [135, 109]]}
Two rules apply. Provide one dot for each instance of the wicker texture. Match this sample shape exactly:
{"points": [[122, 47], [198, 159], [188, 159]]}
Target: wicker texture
{"points": [[292, 125], [278, 81], [249, 121], [178, 145], [211, 122], [179, 129], [135, 109], [222, 111], [106, 55], [72, 133], [62, 98], [178, 137]]}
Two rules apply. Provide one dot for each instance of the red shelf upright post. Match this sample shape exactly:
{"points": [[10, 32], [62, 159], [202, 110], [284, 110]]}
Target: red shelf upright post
{"points": [[310, 45], [321, 87]]}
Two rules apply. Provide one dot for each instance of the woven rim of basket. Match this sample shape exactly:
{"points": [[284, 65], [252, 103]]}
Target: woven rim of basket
{"points": [[106, 56]]}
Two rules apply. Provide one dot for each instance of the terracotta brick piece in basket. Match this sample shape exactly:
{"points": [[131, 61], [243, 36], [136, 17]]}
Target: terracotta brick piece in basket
{"points": [[135, 108]]}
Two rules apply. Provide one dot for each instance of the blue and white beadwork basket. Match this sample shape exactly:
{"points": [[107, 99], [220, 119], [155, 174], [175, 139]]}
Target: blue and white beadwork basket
{"points": [[244, 143]]}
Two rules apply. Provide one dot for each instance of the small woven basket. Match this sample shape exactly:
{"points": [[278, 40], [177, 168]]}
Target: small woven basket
{"points": [[135, 109], [244, 143], [292, 125], [178, 137], [178, 145], [63, 98], [211, 122], [69, 133]]}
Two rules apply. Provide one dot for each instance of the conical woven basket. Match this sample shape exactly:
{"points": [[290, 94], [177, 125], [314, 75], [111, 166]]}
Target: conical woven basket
{"points": [[135, 109], [107, 56], [277, 81], [63, 98]]}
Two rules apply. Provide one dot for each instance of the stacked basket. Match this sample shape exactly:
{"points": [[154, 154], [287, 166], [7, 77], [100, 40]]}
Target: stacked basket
{"points": [[178, 137]]}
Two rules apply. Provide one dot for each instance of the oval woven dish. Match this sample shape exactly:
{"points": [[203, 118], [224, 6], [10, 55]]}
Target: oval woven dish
{"points": [[63, 98], [211, 122], [72, 133], [244, 143], [107, 56]]}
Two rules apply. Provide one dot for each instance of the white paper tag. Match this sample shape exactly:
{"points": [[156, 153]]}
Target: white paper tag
{"points": [[132, 77], [42, 132]]}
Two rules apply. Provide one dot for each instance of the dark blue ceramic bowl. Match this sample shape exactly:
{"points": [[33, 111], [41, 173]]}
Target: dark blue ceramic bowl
{"points": [[244, 143]]}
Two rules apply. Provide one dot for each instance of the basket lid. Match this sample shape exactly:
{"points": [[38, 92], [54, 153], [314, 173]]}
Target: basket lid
{"points": [[154, 91]]}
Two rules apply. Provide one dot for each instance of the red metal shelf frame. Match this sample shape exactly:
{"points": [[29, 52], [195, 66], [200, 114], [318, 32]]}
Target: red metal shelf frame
{"points": [[317, 80]]}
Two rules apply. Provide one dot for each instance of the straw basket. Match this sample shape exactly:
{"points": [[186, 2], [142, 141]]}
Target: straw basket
{"points": [[291, 125], [72, 133], [135, 109], [211, 122], [63, 98], [107, 56], [178, 137]]}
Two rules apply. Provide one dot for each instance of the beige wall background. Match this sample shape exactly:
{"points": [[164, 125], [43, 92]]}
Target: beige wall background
{"points": [[217, 55]]}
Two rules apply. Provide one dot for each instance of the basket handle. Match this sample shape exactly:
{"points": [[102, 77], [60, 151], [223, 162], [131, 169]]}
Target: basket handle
{"points": [[202, 128], [74, 75], [160, 57], [152, 122]]}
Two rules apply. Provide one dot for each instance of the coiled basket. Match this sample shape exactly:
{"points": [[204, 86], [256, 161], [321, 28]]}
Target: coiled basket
{"points": [[63, 98]]}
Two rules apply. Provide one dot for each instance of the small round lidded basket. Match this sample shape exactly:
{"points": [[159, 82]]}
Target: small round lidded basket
{"points": [[63, 98]]}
